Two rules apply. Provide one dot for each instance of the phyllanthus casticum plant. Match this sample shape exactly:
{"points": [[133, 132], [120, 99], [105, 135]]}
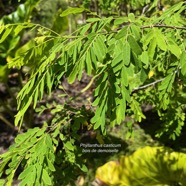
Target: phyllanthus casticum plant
{"points": [[131, 60]]}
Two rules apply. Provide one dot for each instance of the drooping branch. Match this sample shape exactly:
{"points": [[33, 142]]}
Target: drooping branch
{"points": [[154, 83], [152, 26], [164, 26]]}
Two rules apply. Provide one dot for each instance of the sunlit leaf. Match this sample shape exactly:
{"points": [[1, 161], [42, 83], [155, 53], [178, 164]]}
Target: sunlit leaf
{"points": [[151, 49], [69, 145], [46, 178], [136, 31], [174, 48], [157, 165], [183, 63], [72, 11], [6, 33], [126, 53], [121, 33], [161, 41]]}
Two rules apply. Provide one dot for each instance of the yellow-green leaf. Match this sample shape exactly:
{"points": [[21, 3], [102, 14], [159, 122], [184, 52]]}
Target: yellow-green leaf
{"points": [[147, 166], [183, 63], [46, 178], [6, 33], [174, 48], [160, 39]]}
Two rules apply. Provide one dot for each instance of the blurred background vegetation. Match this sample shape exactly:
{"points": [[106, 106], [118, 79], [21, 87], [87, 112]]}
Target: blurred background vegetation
{"points": [[47, 13]]}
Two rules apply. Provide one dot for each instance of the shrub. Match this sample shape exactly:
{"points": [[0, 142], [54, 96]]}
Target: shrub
{"points": [[132, 60]]}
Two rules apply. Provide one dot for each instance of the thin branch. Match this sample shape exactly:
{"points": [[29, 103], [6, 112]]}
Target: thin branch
{"points": [[46, 28], [2, 118], [164, 26], [148, 85]]}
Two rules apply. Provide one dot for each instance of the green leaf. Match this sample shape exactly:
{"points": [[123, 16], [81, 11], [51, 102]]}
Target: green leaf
{"points": [[146, 39], [99, 47], [73, 74], [40, 148], [120, 110], [101, 42], [50, 165], [35, 98], [88, 64], [81, 68], [96, 102], [136, 31], [6, 33], [26, 172], [26, 89], [135, 107], [19, 116], [183, 63], [145, 59], [134, 45], [165, 83], [170, 11], [49, 82], [46, 178], [131, 17], [100, 121], [151, 49], [161, 41], [117, 60], [122, 33], [174, 48], [124, 77], [2, 28], [4, 72], [91, 20], [49, 142], [120, 20], [2, 182], [83, 168], [69, 145], [72, 11], [143, 76], [99, 117], [85, 29], [126, 53]]}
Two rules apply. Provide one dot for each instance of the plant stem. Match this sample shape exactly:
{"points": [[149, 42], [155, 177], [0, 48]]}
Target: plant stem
{"points": [[7, 122]]}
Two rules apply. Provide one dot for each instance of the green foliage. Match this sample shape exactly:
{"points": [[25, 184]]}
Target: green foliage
{"points": [[132, 60], [147, 166], [10, 42], [47, 154], [22, 14], [119, 61], [36, 147]]}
